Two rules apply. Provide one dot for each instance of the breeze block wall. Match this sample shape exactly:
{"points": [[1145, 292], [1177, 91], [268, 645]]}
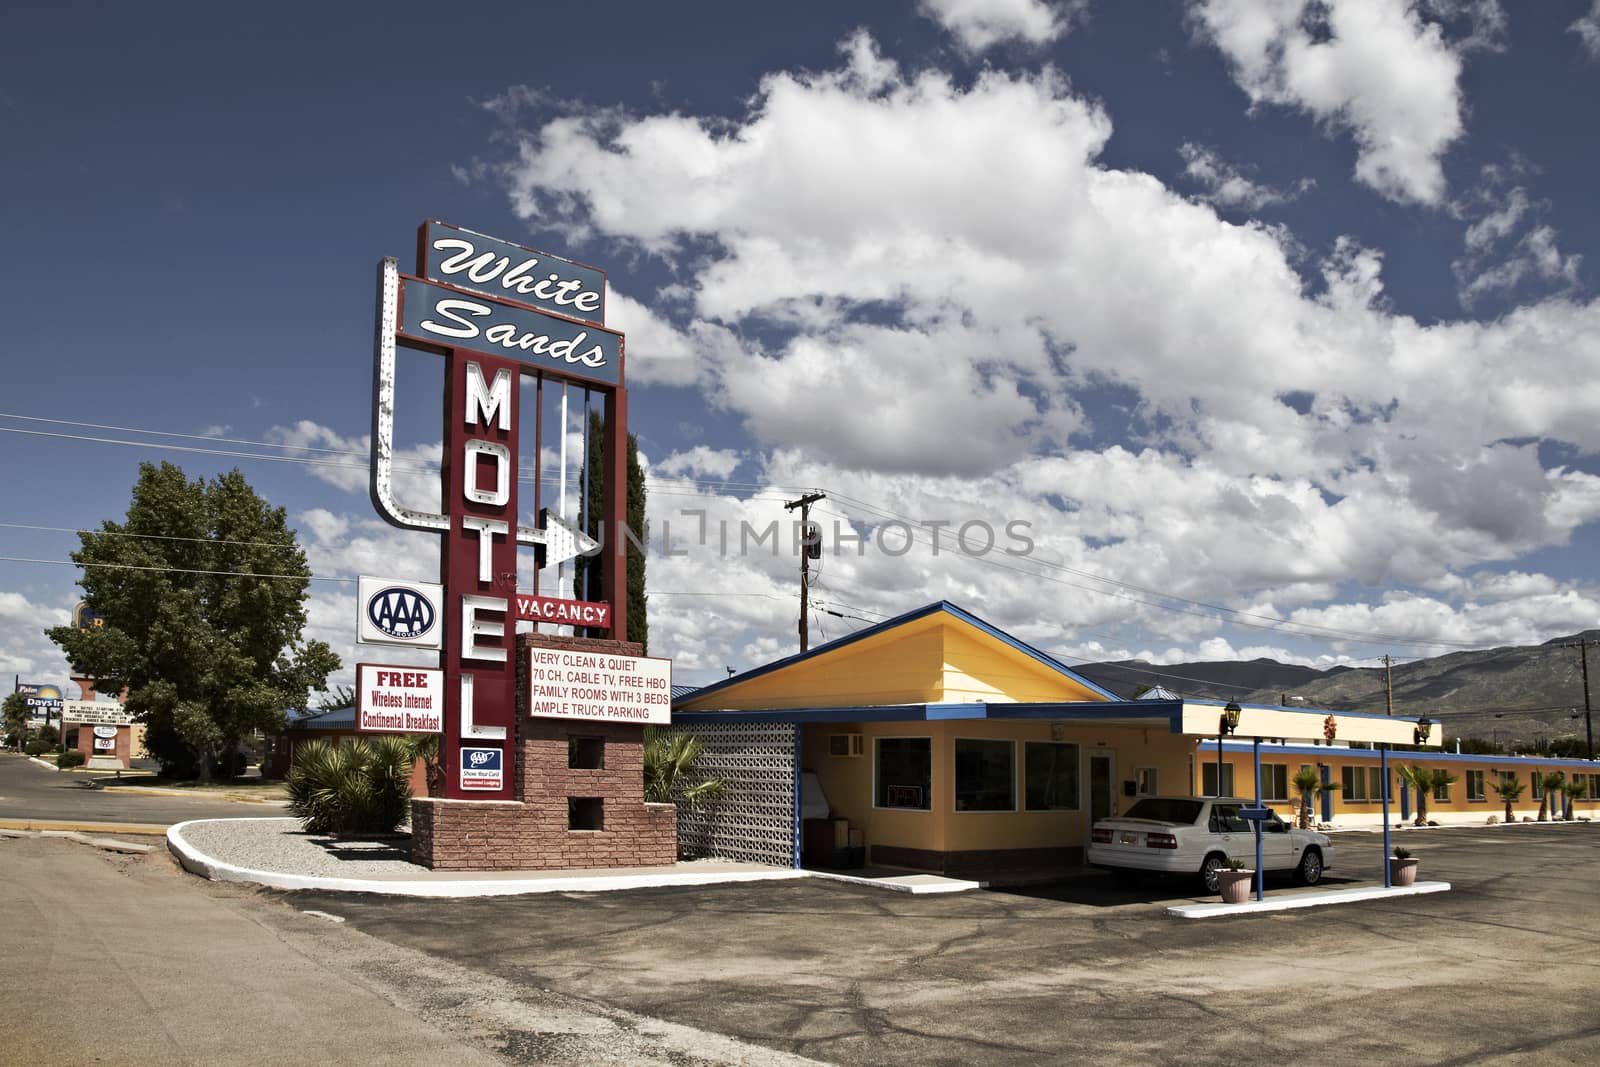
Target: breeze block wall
{"points": [[532, 832]]}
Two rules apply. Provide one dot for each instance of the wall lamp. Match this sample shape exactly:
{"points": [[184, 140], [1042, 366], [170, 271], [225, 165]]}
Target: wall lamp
{"points": [[1424, 728], [1230, 719]]}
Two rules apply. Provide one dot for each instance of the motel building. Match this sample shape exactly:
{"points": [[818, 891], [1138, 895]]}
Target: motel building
{"points": [[937, 742]]}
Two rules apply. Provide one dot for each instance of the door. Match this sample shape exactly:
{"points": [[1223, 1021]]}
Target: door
{"points": [[1102, 791]]}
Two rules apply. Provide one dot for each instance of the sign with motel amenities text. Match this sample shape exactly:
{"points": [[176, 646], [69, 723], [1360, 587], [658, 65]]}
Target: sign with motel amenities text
{"points": [[567, 684], [396, 699]]}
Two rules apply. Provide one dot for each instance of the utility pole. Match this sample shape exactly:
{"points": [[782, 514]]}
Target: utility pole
{"points": [[1388, 686], [1582, 644], [809, 550]]}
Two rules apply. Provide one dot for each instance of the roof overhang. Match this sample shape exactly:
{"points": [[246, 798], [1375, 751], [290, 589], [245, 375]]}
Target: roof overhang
{"points": [[1203, 719]]}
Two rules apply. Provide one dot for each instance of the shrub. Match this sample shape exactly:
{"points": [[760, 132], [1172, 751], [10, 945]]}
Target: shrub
{"points": [[38, 747], [1402, 853], [70, 758], [359, 787]]}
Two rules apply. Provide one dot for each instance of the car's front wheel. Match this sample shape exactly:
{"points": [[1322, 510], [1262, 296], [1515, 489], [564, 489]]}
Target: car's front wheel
{"points": [[1208, 871], [1310, 870]]}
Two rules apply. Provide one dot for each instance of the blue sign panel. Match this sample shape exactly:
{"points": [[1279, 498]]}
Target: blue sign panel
{"points": [[430, 312], [506, 271], [481, 769]]}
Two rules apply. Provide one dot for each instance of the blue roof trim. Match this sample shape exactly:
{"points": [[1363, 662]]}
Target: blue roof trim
{"points": [[1372, 753], [337, 719], [900, 620], [1094, 711], [1170, 711]]}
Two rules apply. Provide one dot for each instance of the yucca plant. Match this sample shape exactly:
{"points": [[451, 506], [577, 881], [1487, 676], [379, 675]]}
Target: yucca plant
{"points": [[1551, 785], [1577, 789], [670, 774], [1509, 790], [1424, 780], [358, 787]]}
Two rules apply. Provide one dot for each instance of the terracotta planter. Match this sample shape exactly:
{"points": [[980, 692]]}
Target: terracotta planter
{"points": [[1402, 872], [1235, 885]]}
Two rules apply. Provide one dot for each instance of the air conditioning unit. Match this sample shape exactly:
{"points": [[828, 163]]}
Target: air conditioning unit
{"points": [[845, 745]]}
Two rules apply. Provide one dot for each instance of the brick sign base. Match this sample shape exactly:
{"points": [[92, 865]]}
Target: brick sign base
{"points": [[531, 833]]}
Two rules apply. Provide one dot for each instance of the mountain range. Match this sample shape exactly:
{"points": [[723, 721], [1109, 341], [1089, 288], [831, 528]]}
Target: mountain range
{"points": [[1506, 695]]}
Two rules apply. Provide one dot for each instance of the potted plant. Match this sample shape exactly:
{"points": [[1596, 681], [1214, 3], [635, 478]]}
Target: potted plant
{"points": [[1402, 867], [1233, 881]]}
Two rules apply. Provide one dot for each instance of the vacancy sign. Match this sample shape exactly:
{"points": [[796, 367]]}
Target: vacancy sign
{"points": [[395, 699], [564, 684]]}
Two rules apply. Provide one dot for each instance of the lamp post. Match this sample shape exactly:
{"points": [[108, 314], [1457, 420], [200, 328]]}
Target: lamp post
{"points": [[1228, 723]]}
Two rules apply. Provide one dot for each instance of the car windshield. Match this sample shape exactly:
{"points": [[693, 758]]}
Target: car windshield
{"points": [[1165, 809]]}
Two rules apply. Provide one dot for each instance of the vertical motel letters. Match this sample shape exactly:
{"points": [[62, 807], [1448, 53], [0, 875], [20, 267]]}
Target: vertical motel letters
{"points": [[479, 563]]}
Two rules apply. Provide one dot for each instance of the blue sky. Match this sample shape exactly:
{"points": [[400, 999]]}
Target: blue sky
{"points": [[1276, 323]]}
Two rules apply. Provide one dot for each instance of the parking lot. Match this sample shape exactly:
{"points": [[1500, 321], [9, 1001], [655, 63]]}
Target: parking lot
{"points": [[1499, 970]]}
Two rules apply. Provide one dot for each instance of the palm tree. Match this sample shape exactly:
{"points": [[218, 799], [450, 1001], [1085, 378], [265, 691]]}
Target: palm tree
{"points": [[1306, 781], [1425, 780], [1551, 784], [670, 774], [1509, 790], [1577, 789]]}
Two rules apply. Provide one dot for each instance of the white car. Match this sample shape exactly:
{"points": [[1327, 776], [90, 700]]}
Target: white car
{"points": [[1198, 835]]}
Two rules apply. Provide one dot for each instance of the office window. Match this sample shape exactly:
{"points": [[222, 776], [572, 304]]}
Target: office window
{"points": [[1274, 781], [986, 775], [1475, 785], [904, 772], [1208, 780], [1051, 772]]}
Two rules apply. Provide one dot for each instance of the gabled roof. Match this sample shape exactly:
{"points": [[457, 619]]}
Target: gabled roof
{"points": [[936, 653]]}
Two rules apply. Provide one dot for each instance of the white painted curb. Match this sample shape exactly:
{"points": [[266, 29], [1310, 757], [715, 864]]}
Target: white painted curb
{"points": [[197, 862], [946, 885], [1286, 901], [42, 763]]}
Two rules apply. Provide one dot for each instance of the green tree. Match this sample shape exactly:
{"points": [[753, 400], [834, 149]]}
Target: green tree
{"points": [[1577, 789], [16, 719], [588, 568], [1509, 790], [202, 592], [1423, 781]]}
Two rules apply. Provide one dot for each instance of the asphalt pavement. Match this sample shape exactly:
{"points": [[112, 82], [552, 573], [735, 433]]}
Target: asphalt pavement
{"points": [[30, 792], [1500, 970]]}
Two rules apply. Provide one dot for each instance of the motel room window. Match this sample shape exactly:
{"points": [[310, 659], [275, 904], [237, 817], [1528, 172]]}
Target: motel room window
{"points": [[1538, 785], [1441, 792], [1050, 769], [986, 775], [1475, 785], [1274, 781], [904, 768], [1354, 781], [1144, 782], [1208, 780]]}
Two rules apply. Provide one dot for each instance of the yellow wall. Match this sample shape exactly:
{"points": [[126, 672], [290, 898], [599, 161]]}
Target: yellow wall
{"points": [[1457, 805], [848, 782]]}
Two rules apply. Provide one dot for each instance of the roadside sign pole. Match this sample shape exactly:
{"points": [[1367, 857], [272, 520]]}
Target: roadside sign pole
{"points": [[1383, 769], [1261, 874]]}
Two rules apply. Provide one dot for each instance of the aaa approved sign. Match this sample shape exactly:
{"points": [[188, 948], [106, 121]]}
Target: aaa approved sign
{"points": [[564, 684]]}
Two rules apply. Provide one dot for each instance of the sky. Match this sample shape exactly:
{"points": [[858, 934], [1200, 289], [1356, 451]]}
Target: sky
{"points": [[1203, 329]]}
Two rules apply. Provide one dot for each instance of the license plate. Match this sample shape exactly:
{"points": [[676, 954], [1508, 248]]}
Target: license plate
{"points": [[1130, 839]]}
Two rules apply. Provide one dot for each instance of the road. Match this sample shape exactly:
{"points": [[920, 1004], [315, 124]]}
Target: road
{"points": [[29, 791], [1499, 970], [128, 960]]}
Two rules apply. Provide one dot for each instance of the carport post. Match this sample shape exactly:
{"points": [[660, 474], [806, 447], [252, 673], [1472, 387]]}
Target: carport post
{"points": [[1383, 769], [1261, 875]]}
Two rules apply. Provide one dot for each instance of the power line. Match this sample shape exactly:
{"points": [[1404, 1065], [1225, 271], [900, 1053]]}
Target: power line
{"points": [[152, 537], [174, 570]]}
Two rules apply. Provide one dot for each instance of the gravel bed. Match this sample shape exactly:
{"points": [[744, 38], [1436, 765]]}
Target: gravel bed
{"points": [[280, 846]]}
